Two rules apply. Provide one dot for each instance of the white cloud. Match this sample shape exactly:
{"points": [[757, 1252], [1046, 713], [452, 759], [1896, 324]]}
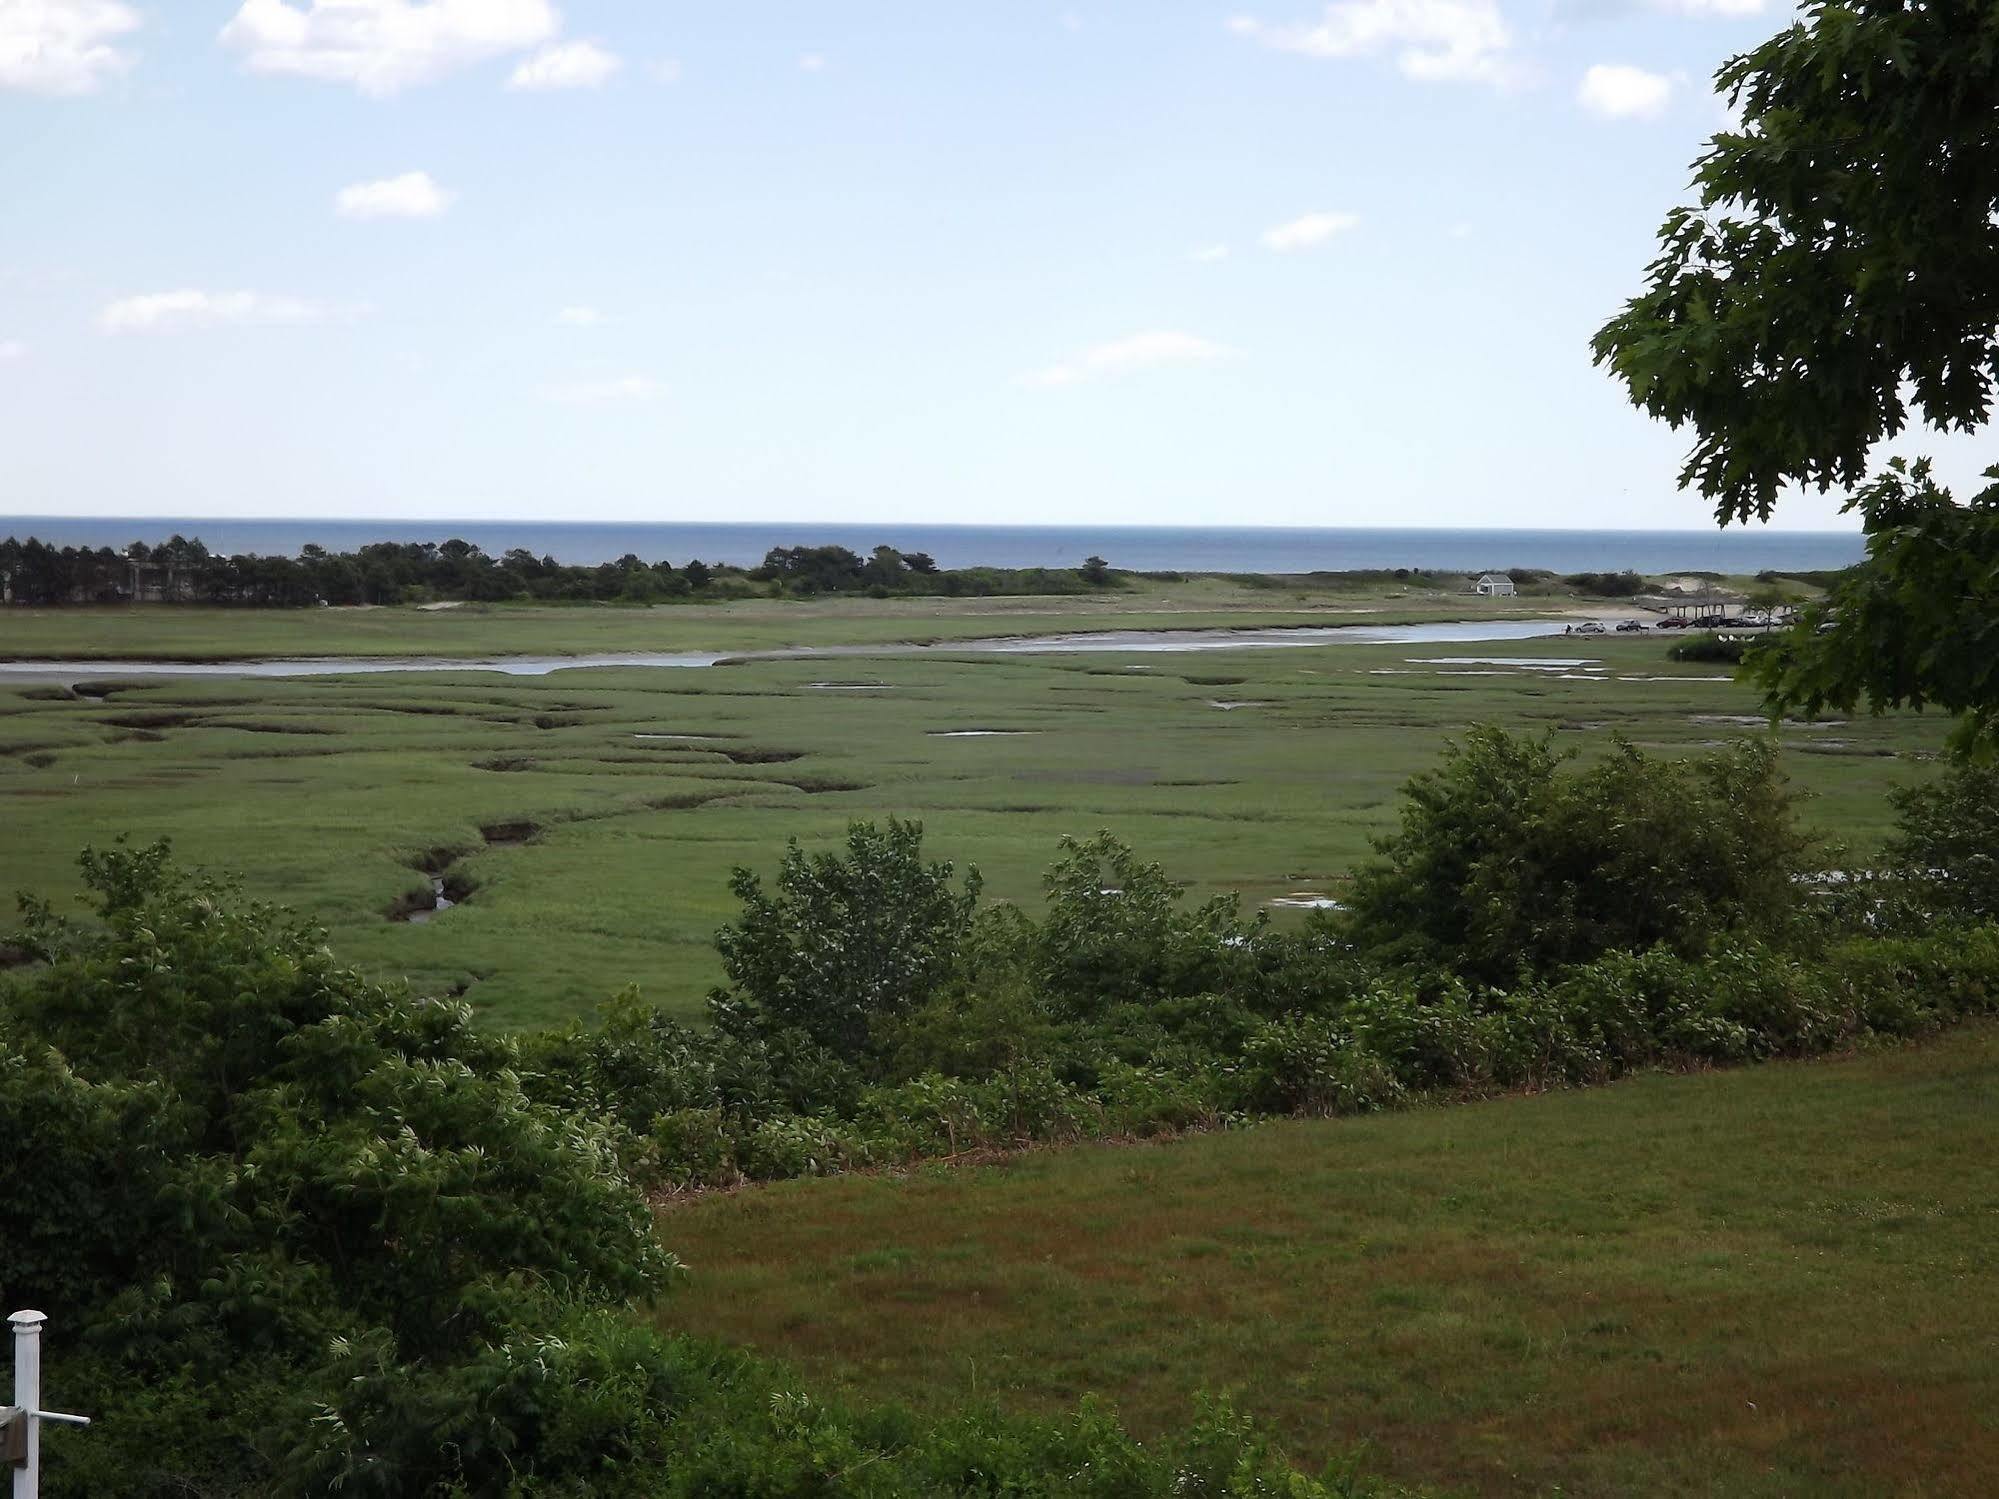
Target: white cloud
{"points": [[1729, 9], [604, 392], [1123, 356], [12, 349], [581, 316], [1209, 254], [566, 65], [380, 46], [1430, 39], [1618, 92], [812, 62], [177, 311], [62, 46], [666, 70], [414, 195], [1309, 232]]}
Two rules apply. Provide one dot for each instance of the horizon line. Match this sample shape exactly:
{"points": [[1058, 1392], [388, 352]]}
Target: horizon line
{"points": [[1739, 529]]}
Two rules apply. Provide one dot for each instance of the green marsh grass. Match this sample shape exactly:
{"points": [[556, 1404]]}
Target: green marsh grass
{"points": [[193, 633], [340, 796]]}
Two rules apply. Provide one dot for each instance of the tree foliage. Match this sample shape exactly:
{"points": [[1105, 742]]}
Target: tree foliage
{"points": [[1841, 265], [248, 1159], [1114, 930], [1841, 254], [1946, 848], [1917, 626], [1506, 863], [844, 941], [183, 571]]}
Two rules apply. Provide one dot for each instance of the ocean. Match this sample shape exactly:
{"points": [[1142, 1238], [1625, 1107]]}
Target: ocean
{"points": [[1246, 549]]}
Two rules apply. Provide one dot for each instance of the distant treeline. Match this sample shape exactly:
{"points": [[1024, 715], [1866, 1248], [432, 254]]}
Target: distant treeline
{"points": [[1603, 585], [181, 571]]}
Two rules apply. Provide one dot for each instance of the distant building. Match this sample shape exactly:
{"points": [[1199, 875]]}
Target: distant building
{"points": [[1496, 586]]}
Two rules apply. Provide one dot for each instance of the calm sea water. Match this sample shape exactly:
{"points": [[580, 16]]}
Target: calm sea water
{"points": [[1143, 548]]}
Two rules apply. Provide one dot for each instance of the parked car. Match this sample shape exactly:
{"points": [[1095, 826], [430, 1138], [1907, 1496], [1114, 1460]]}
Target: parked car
{"points": [[1629, 625], [1588, 627]]}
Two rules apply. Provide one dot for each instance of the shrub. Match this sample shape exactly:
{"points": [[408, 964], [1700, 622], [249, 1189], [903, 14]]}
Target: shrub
{"points": [[266, 1157], [1946, 848], [1622, 585], [845, 941], [1313, 1065], [1114, 931], [1506, 863], [1907, 986]]}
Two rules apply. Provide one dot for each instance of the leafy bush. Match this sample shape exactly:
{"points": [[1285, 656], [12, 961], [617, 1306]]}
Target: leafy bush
{"points": [[1622, 585], [1507, 864], [845, 942], [264, 1156], [307, 1235], [1114, 931], [1645, 916], [1314, 1066], [1946, 849]]}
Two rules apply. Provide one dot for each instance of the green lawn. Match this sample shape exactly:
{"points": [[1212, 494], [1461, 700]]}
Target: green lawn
{"points": [[1775, 1281], [324, 793]]}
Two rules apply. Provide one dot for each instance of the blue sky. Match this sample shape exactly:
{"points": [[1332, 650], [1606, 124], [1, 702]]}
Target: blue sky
{"points": [[1289, 263]]}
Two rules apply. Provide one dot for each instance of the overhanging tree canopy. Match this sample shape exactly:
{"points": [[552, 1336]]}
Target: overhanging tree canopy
{"points": [[1839, 273]]}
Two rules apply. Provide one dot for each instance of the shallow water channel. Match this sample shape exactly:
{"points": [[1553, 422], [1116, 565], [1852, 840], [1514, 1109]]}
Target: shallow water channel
{"points": [[1108, 642]]}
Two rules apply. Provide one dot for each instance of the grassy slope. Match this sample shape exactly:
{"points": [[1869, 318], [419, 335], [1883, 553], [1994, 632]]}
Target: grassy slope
{"points": [[193, 634], [1773, 1281], [320, 791]]}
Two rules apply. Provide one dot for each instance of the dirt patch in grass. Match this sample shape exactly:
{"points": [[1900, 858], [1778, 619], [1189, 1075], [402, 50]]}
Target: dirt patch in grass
{"points": [[154, 720], [507, 834], [759, 756], [1214, 681], [103, 690], [687, 801], [267, 726], [434, 860], [507, 763]]}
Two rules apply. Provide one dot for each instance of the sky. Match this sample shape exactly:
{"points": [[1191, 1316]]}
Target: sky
{"points": [[1262, 262]]}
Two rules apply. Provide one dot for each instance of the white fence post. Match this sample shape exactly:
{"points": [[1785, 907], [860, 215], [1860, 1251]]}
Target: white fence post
{"points": [[28, 1410], [28, 1399]]}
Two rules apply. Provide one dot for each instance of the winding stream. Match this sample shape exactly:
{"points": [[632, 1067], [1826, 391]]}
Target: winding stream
{"points": [[1109, 642]]}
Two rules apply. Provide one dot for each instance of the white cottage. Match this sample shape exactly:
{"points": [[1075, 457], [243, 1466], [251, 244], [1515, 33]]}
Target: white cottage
{"points": [[1496, 586]]}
